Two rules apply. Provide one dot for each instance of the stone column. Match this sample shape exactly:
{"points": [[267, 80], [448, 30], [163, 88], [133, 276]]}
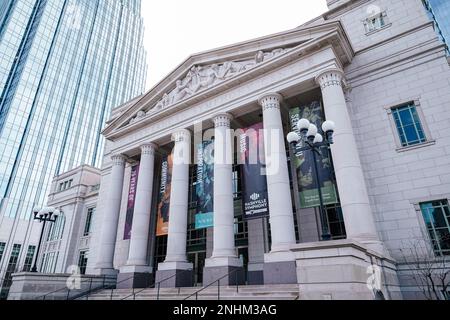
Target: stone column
{"points": [[358, 217], [224, 259], [279, 264], [137, 267], [176, 263], [110, 217]]}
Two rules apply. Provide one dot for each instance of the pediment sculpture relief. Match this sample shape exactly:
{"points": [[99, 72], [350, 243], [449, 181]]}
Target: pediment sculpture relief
{"points": [[200, 78]]}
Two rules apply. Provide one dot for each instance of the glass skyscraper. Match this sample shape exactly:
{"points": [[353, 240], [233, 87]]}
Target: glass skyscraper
{"points": [[63, 65], [439, 12]]}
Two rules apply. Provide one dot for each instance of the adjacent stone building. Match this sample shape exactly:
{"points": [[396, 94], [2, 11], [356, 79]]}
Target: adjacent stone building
{"points": [[379, 70]]}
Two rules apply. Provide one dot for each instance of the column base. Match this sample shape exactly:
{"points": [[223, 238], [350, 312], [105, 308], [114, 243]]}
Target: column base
{"points": [[175, 275], [217, 267], [255, 274], [134, 277], [280, 268], [235, 275], [106, 272]]}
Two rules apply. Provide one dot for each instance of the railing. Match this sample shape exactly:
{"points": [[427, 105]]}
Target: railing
{"points": [[82, 294], [156, 285], [111, 287], [235, 271]]}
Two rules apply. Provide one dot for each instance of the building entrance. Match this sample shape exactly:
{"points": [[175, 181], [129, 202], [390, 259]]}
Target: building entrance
{"points": [[198, 261]]}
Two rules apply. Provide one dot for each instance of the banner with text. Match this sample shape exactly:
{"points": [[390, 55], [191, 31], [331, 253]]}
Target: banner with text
{"points": [[162, 225], [204, 188], [304, 163], [254, 183], [130, 203]]}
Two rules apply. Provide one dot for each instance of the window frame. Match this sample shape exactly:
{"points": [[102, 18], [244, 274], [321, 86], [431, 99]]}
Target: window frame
{"points": [[90, 212], [29, 258], [83, 257], [2, 250], [427, 133], [382, 15], [418, 206]]}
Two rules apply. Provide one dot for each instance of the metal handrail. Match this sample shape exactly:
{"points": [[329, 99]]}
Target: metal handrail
{"points": [[218, 285], [103, 287], [112, 287], [65, 288], [134, 294], [85, 293]]}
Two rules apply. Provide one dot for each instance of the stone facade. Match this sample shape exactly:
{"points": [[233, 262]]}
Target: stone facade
{"points": [[359, 75]]}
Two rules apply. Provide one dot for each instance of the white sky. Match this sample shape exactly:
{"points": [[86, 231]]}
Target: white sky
{"points": [[175, 29]]}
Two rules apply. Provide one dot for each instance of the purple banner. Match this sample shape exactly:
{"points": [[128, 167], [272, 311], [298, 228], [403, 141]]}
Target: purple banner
{"points": [[130, 203]]}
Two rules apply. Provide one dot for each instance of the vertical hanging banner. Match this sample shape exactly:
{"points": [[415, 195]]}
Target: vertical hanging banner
{"points": [[254, 183], [162, 224], [131, 201], [204, 187], [304, 163]]}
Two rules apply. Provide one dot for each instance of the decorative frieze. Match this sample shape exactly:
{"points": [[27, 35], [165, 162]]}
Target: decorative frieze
{"points": [[200, 78]]}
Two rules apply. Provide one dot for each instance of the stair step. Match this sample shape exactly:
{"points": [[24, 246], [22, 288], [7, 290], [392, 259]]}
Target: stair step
{"points": [[263, 292]]}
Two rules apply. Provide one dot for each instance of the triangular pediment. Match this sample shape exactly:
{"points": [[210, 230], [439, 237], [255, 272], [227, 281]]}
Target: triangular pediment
{"points": [[201, 73]]}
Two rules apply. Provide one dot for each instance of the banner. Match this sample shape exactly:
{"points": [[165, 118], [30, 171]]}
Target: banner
{"points": [[304, 163], [204, 188], [130, 203], [254, 183], [162, 224]]}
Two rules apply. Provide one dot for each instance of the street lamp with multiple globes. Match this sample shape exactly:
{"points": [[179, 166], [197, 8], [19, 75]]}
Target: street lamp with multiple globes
{"points": [[47, 214], [312, 140]]}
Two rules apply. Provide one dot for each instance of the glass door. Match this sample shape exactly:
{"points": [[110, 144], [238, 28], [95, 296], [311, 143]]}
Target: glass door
{"points": [[198, 261]]}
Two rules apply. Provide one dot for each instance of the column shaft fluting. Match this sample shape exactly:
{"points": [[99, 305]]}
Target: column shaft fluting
{"points": [[110, 217], [223, 189], [178, 209], [358, 218], [278, 186], [140, 231]]}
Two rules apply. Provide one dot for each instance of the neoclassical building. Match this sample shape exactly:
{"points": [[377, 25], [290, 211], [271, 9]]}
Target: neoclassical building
{"points": [[378, 70]]}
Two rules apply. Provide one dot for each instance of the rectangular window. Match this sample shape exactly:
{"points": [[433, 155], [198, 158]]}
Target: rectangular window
{"points": [[408, 125], [88, 225], [10, 269], [2, 250], [29, 258], [437, 219], [82, 261], [375, 22]]}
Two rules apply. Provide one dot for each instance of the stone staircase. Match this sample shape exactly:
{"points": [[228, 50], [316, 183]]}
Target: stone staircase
{"points": [[263, 292]]}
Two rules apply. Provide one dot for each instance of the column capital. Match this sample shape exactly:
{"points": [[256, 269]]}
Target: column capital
{"points": [[270, 100], [222, 120], [181, 135], [149, 148], [118, 159], [330, 77]]}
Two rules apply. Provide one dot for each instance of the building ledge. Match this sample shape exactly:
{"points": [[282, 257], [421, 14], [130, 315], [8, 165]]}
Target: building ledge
{"points": [[416, 146]]}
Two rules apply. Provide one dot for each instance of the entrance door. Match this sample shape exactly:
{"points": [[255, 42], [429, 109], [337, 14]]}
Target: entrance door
{"points": [[198, 260], [243, 256]]}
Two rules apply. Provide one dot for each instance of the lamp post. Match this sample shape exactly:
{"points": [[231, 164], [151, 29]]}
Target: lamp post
{"points": [[312, 140], [47, 214]]}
